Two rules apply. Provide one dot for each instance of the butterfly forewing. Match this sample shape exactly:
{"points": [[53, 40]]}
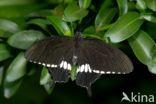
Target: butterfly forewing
{"points": [[53, 53], [99, 58]]}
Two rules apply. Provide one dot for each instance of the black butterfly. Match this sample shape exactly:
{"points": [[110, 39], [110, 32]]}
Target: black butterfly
{"points": [[91, 56]]}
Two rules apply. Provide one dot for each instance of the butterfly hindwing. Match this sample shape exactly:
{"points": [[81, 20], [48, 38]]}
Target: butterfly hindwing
{"points": [[52, 53]]}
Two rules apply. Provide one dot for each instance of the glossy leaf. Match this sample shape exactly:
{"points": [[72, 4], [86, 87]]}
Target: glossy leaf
{"points": [[141, 5], [124, 27], [16, 69], [10, 88], [73, 13], [48, 88], [89, 30], [84, 3], [152, 65], [8, 25], [4, 52], [143, 46], [148, 17], [104, 17], [106, 4], [151, 4], [46, 80], [45, 77], [25, 39], [61, 26], [123, 6], [39, 22], [1, 74]]}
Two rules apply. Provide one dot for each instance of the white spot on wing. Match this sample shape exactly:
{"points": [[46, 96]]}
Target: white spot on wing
{"points": [[43, 64], [97, 71], [102, 72], [52, 65], [108, 72], [48, 65], [65, 65], [113, 72], [55, 66], [86, 68], [61, 65], [89, 69], [119, 72], [82, 68], [69, 67]]}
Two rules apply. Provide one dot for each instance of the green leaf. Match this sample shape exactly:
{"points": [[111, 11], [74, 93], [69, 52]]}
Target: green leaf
{"points": [[5, 34], [89, 30], [16, 69], [151, 4], [61, 26], [124, 27], [46, 80], [91, 33], [84, 3], [45, 77], [4, 52], [73, 13], [41, 13], [59, 10], [55, 1], [143, 46], [10, 88], [106, 4], [104, 17], [8, 25], [141, 5], [25, 39], [14, 2], [152, 66], [123, 6], [149, 17], [1, 74], [18, 11], [48, 88], [39, 22]]}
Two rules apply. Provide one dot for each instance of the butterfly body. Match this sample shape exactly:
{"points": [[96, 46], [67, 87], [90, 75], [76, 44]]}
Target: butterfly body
{"points": [[91, 56]]}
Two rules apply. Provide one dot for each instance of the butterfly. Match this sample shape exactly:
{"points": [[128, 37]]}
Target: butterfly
{"points": [[92, 57]]}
